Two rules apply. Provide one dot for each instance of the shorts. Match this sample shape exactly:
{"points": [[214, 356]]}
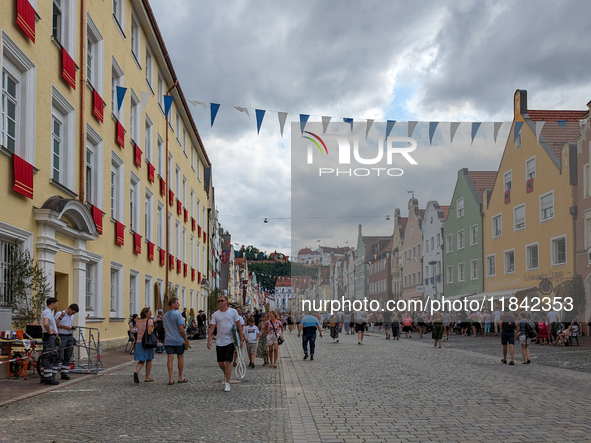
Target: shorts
{"points": [[524, 340], [360, 327], [272, 339], [406, 328], [225, 353], [252, 347], [507, 338], [178, 350]]}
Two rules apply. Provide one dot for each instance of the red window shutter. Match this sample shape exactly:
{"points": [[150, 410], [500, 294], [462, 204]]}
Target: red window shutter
{"points": [[205, 236], [178, 266], [98, 106], [162, 187], [170, 197], [185, 269], [119, 231], [179, 207], [68, 68], [171, 264], [138, 156], [23, 177], [193, 224], [137, 243], [507, 197], [199, 232], [120, 136], [150, 172], [150, 251], [162, 257], [192, 274], [97, 216], [25, 18], [199, 277], [186, 215]]}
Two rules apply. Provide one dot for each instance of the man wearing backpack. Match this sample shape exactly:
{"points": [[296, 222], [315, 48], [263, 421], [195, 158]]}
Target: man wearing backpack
{"points": [[527, 331]]}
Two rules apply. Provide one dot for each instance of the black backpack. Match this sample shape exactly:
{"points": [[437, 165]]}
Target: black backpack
{"points": [[530, 329]]}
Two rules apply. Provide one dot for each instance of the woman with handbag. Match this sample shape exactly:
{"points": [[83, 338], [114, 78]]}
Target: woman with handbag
{"points": [[144, 351], [274, 332]]}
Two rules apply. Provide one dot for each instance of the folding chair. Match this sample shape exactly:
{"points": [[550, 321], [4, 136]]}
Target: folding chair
{"points": [[130, 345]]}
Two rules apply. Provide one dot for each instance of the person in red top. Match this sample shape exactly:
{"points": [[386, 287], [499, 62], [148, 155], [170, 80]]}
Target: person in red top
{"points": [[143, 355], [273, 330], [407, 325]]}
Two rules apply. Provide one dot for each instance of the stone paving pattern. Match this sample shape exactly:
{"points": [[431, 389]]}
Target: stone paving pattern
{"points": [[382, 391]]}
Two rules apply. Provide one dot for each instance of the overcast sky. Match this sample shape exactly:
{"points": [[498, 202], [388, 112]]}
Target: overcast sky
{"points": [[422, 60]]}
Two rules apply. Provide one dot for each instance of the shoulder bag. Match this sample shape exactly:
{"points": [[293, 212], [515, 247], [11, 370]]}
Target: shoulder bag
{"points": [[279, 339], [149, 341]]}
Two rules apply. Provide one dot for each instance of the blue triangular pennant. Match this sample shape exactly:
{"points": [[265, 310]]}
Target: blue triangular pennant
{"points": [[475, 127], [260, 113], [214, 107], [516, 129], [561, 123], [303, 120], [120, 95], [168, 99], [350, 121], [389, 125], [432, 128]]}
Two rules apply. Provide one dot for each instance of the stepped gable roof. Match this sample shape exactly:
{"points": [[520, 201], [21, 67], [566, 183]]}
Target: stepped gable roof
{"points": [[555, 135], [482, 180]]}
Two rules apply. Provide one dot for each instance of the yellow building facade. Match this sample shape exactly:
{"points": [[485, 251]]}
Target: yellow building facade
{"points": [[528, 230], [86, 173]]}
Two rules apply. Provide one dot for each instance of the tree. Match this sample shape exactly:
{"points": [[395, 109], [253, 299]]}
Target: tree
{"points": [[28, 287], [213, 301], [575, 288]]}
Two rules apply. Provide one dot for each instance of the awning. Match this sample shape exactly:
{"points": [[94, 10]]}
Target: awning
{"points": [[496, 295]]}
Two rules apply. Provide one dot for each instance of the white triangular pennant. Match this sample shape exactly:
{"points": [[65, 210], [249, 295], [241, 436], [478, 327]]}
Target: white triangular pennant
{"points": [[282, 116], [197, 103], [144, 97], [368, 127], [241, 109], [411, 128], [325, 122], [452, 130], [497, 127], [539, 126]]}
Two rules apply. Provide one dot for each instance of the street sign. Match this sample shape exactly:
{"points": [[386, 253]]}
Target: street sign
{"points": [[420, 288]]}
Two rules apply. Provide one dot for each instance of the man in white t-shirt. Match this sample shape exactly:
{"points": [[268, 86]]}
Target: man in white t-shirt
{"points": [[50, 333], [224, 319], [65, 328]]}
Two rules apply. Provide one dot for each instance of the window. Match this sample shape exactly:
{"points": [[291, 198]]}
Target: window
{"points": [[134, 203], [94, 284], [450, 242], [426, 246], [198, 250], [161, 170], [204, 260], [474, 269], [192, 251], [559, 251], [148, 139], [414, 253], [94, 173], [57, 18], [116, 290], [547, 206], [170, 237], [473, 235], [450, 274], [177, 189], [5, 260], [438, 241], [160, 222], [62, 140], [94, 56], [586, 181], [198, 168], [134, 293], [414, 279], [461, 272], [149, 215], [135, 39], [134, 117], [530, 168], [117, 79], [90, 295], [149, 67], [184, 245], [178, 128], [148, 293], [119, 14], [497, 225], [116, 187], [192, 158], [507, 180], [510, 262], [490, 266], [432, 243], [177, 233], [192, 204], [518, 141], [184, 190], [519, 217], [531, 252], [161, 92], [18, 101], [461, 239], [460, 207], [185, 141]]}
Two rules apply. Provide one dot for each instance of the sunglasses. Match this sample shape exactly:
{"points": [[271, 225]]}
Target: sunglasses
{"points": [[221, 300]]}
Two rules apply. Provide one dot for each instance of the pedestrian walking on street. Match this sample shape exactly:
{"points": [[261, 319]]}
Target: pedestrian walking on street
{"points": [[50, 335], [263, 348], [395, 326], [334, 329], [387, 324], [252, 335], [143, 355], [407, 325], [527, 331], [274, 331], [225, 318], [360, 325], [437, 333], [446, 317], [65, 327], [307, 329], [174, 340], [497, 314], [508, 328], [347, 323]]}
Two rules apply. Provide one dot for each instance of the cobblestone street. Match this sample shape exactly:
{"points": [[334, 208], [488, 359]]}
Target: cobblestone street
{"points": [[382, 391]]}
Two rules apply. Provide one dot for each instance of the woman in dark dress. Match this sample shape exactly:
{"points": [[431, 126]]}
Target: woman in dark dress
{"points": [[437, 329]]}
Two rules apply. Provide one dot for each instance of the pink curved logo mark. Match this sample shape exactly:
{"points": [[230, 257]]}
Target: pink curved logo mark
{"points": [[315, 142]]}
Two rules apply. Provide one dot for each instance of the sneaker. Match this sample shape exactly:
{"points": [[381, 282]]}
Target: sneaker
{"points": [[136, 378], [227, 388], [311, 357], [65, 377], [337, 340], [358, 342], [305, 356], [52, 382]]}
